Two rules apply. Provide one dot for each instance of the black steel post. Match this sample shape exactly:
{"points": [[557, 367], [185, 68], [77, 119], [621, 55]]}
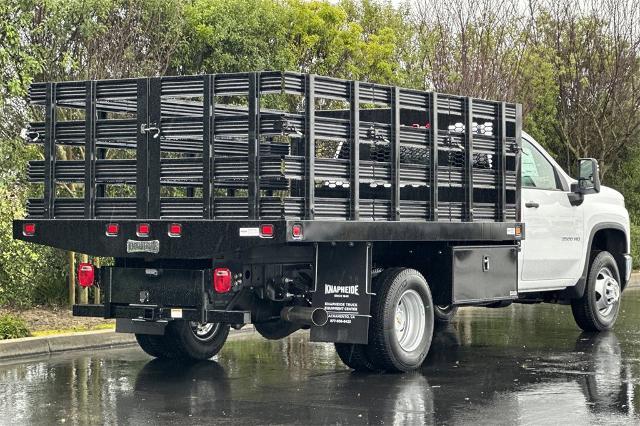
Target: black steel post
{"points": [[502, 165], [395, 153], [355, 150], [50, 152], [468, 149], [518, 155], [310, 118], [153, 144], [208, 151], [90, 150], [142, 157], [433, 132], [253, 181], [101, 154]]}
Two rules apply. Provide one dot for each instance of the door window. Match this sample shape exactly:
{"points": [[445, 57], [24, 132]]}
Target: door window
{"points": [[537, 172]]}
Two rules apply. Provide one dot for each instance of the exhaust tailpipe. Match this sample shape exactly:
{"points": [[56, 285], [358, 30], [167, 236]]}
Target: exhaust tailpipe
{"points": [[304, 315]]}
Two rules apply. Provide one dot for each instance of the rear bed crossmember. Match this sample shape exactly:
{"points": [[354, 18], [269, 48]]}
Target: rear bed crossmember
{"points": [[204, 239]]}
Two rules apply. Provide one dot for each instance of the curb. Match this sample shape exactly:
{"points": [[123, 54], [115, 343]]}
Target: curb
{"points": [[634, 279], [47, 345]]}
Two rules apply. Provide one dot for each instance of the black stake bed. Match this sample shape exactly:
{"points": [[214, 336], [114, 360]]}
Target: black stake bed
{"points": [[271, 146]]}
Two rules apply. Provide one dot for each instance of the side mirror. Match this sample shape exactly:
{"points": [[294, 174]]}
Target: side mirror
{"points": [[588, 176]]}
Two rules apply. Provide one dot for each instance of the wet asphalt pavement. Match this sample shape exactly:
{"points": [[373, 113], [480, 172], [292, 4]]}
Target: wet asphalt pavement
{"points": [[522, 365]]}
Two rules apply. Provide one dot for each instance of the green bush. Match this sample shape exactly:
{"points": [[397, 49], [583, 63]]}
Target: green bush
{"points": [[12, 327], [29, 273], [635, 245]]}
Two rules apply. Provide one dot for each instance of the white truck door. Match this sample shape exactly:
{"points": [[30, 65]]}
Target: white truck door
{"points": [[552, 248]]}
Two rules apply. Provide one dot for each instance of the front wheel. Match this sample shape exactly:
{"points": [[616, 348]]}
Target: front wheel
{"points": [[401, 325], [597, 309]]}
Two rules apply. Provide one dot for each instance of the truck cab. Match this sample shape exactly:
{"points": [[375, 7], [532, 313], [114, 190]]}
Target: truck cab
{"points": [[568, 223]]}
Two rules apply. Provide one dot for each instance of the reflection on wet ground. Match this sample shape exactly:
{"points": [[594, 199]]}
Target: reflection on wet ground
{"points": [[522, 364]]}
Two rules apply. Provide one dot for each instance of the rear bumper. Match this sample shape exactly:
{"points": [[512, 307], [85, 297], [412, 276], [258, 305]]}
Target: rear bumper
{"points": [[155, 294], [154, 313]]}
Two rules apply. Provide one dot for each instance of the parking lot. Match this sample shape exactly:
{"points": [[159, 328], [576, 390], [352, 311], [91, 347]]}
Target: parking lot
{"points": [[522, 364]]}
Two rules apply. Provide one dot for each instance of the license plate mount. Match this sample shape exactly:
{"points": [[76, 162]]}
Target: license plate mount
{"points": [[137, 246]]}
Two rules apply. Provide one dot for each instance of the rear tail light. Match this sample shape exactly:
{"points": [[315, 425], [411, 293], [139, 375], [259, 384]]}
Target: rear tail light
{"points": [[113, 229], [29, 229], [266, 231], [143, 230], [296, 231], [175, 230], [222, 280], [86, 274]]}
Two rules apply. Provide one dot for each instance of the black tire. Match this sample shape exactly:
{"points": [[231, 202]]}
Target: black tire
{"points": [[181, 341], [156, 346], [588, 311], [443, 314], [189, 346], [384, 348], [355, 357]]}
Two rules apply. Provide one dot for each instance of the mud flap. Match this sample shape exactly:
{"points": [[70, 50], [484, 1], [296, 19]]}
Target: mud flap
{"points": [[343, 289]]}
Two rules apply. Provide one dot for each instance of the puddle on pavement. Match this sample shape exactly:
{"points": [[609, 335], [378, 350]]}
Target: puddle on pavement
{"points": [[522, 364]]}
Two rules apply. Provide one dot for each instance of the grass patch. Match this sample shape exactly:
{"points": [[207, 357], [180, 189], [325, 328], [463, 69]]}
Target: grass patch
{"points": [[52, 332], [12, 327]]}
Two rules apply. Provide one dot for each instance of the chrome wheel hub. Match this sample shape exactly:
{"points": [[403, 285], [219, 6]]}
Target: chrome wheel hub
{"points": [[607, 292], [409, 321], [204, 331]]}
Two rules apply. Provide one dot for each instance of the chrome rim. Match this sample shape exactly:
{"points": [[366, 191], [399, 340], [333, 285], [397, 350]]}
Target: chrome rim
{"points": [[410, 320], [607, 292], [204, 331]]}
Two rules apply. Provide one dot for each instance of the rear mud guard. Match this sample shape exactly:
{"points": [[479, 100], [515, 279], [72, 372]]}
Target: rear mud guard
{"points": [[343, 289]]}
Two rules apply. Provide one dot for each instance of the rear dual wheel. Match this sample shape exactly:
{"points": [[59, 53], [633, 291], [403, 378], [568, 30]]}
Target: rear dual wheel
{"points": [[186, 340], [400, 328], [444, 314]]}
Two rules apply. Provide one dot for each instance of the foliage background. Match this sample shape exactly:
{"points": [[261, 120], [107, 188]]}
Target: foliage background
{"points": [[574, 65]]}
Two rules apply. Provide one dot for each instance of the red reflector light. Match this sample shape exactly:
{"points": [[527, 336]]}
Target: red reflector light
{"points": [[296, 231], [86, 274], [175, 230], [222, 280], [266, 231], [113, 229], [143, 230], [29, 229]]}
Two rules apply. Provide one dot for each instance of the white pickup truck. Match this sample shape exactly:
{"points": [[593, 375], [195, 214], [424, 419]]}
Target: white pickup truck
{"points": [[365, 225], [578, 238]]}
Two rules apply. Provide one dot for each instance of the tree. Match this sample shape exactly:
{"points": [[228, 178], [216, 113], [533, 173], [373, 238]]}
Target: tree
{"points": [[597, 72], [44, 40], [234, 35]]}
